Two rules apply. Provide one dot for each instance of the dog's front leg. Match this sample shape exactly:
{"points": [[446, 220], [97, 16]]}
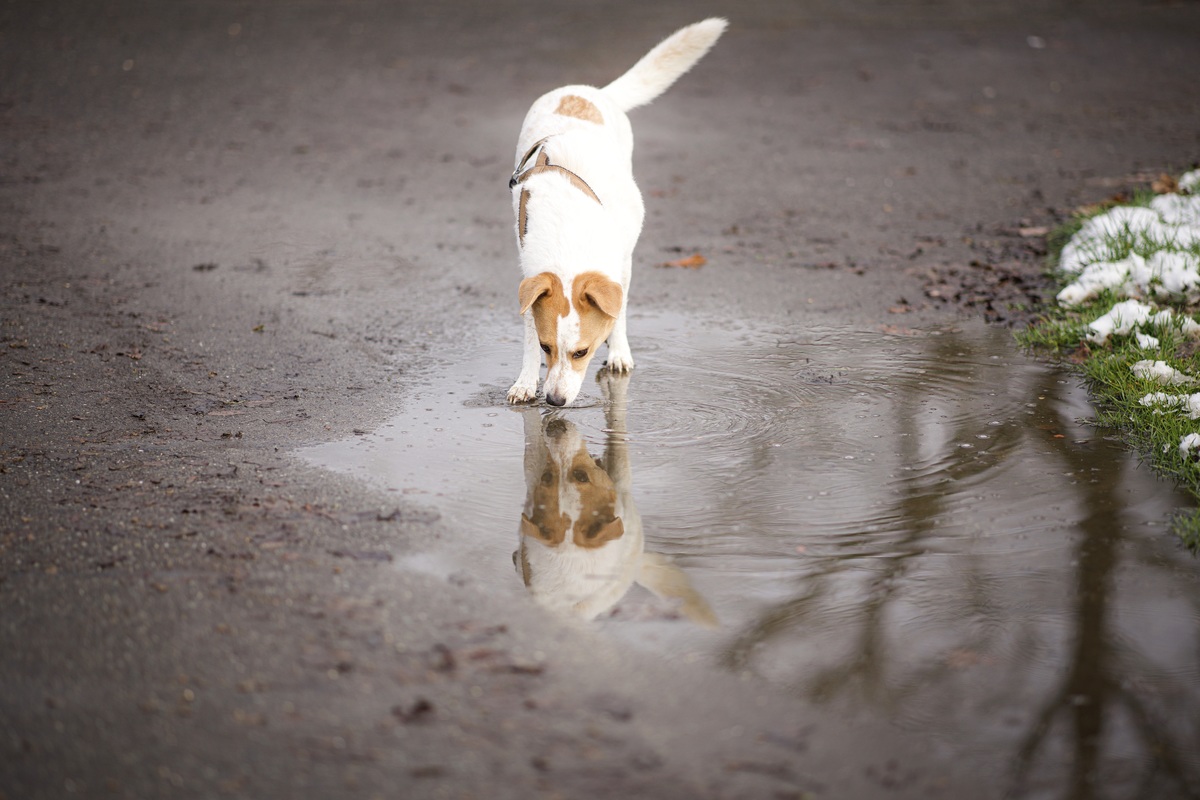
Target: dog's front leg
{"points": [[620, 360], [525, 389]]}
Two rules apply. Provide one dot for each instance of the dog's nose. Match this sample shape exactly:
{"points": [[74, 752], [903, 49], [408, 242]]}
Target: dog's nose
{"points": [[556, 400]]}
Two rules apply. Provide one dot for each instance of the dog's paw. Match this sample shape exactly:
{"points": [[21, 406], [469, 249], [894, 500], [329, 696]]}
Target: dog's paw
{"points": [[522, 393], [620, 363], [613, 385]]}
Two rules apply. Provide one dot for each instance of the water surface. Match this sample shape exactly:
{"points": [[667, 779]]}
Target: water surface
{"points": [[913, 529]]}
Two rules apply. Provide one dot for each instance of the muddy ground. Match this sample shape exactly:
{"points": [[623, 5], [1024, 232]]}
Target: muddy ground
{"points": [[230, 230]]}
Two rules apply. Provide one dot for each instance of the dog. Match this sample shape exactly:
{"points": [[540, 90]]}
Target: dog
{"points": [[581, 546], [578, 215]]}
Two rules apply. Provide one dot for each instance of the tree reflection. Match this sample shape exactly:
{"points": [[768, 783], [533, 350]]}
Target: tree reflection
{"points": [[1103, 672], [1075, 731]]}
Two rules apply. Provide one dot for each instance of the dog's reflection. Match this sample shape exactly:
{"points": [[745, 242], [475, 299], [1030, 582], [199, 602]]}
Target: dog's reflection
{"points": [[581, 544]]}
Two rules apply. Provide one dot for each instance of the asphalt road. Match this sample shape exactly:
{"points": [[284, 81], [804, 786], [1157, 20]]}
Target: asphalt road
{"points": [[228, 230]]}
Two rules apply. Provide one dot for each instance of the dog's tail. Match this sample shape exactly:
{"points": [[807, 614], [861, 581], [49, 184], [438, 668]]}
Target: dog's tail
{"points": [[662, 66]]}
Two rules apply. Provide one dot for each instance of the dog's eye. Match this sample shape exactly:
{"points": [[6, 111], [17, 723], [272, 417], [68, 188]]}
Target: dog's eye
{"points": [[580, 476], [579, 353], [546, 349]]}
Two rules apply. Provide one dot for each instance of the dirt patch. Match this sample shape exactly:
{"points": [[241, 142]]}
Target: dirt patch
{"points": [[1007, 283]]}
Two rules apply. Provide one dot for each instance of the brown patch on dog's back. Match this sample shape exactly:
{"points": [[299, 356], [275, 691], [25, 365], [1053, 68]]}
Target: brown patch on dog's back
{"points": [[572, 105]]}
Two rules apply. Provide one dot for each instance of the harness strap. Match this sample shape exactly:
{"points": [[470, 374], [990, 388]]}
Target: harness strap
{"points": [[543, 165]]}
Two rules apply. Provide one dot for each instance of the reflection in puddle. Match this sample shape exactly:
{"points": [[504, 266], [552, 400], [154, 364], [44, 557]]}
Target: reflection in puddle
{"points": [[582, 546], [914, 531]]}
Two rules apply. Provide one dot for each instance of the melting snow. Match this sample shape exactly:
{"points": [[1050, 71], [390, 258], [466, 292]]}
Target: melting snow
{"points": [[1160, 372], [1169, 227], [1146, 341], [1129, 315], [1162, 401]]}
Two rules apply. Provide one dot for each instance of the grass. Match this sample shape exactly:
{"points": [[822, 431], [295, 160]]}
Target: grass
{"points": [[1107, 367]]}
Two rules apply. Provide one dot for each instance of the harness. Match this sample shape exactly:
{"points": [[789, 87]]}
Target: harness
{"points": [[542, 165]]}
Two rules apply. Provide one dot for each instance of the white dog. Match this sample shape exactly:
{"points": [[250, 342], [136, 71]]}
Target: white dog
{"points": [[579, 213]]}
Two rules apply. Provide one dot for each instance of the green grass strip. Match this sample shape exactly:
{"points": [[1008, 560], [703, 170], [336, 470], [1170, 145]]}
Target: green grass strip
{"points": [[1107, 368]]}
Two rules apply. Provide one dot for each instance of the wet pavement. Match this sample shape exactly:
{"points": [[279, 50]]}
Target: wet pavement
{"points": [[267, 528]]}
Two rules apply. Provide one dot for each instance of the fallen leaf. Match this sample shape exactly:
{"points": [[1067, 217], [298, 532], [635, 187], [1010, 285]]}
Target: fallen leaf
{"points": [[1031, 232], [1165, 184], [961, 659], [694, 261]]}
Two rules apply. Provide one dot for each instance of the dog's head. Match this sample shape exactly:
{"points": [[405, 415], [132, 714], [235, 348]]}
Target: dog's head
{"points": [[572, 322], [573, 494], [573, 553]]}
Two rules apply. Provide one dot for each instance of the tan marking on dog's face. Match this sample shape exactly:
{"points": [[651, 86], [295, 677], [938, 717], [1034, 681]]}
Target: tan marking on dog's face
{"points": [[544, 294], [597, 299], [546, 521], [598, 522], [548, 528], [572, 105]]}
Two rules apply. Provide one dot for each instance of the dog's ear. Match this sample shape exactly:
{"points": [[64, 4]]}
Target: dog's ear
{"points": [[601, 534], [603, 293], [530, 528], [532, 288]]}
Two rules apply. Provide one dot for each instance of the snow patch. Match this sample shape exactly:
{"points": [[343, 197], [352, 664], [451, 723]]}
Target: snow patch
{"points": [[1145, 341], [1161, 401], [1099, 252], [1129, 315], [1160, 372], [1190, 182]]}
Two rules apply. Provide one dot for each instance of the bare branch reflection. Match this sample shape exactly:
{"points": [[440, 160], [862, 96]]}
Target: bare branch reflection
{"points": [[1073, 725]]}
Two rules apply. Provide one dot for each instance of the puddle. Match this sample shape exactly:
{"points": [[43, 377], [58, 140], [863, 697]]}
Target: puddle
{"points": [[913, 530]]}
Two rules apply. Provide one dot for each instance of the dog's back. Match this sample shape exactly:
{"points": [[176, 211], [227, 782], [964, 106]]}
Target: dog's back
{"points": [[590, 109]]}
